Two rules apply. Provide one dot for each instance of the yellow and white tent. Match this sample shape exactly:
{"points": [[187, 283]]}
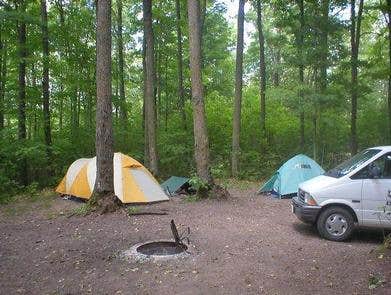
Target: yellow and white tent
{"points": [[133, 183]]}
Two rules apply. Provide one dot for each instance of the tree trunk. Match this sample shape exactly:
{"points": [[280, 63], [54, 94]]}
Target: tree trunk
{"points": [[389, 68], [201, 148], [150, 104], [202, 30], [355, 43], [22, 52], [60, 8], [276, 73], [166, 95], [120, 47], [324, 44], [104, 186], [301, 73], [181, 90], [238, 92], [3, 77], [145, 127], [315, 136], [45, 79], [262, 69]]}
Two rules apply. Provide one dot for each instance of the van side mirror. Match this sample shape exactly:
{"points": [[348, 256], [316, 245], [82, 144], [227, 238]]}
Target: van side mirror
{"points": [[373, 171]]}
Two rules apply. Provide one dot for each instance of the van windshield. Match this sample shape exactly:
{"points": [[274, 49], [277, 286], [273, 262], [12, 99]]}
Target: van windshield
{"points": [[351, 164]]}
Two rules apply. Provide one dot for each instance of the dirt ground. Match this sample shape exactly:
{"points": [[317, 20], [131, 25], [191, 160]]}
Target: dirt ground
{"points": [[249, 244]]}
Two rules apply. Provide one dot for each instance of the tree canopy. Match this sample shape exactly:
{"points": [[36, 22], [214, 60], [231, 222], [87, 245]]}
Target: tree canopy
{"points": [[48, 89]]}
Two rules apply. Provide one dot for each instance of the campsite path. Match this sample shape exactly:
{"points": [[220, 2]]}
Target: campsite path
{"points": [[249, 244]]}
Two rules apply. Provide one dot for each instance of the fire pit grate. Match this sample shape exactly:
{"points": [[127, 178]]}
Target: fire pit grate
{"points": [[161, 248]]}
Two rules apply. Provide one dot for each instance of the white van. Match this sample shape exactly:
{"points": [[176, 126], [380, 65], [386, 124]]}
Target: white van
{"points": [[357, 192]]}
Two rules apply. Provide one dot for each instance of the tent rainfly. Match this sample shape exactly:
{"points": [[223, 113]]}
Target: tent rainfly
{"points": [[133, 183], [286, 180], [174, 184]]}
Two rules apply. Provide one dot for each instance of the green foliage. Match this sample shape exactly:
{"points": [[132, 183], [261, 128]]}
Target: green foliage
{"points": [[73, 97], [82, 210], [375, 281], [201, 187], [192, 198], [132, 210]]}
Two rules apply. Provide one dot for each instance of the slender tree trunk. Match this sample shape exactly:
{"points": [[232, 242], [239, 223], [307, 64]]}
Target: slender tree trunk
{"points": [[201, 148], [276, 73], [145, 127], [104, 131], [22, 52], [61, 98], [315, 136], [325, 6], [158, 66], [181, 90], [121, 75], [61, 108], [166, 95], [3, 77], [238, 92], [389, 68], [33, 124], [150, 104], [355, 43], [45, 79], [262, 68], [203, 6], [301, 73]]}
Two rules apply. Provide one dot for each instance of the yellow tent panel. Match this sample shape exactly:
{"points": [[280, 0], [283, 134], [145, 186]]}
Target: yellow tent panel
{"points": [[133, 183]]}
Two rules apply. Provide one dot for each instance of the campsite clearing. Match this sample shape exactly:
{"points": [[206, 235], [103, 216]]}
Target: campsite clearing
{"points": [[249, 244]]}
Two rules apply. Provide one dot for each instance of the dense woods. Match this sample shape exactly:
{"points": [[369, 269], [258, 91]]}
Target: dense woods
{"points": [[190, 90]]}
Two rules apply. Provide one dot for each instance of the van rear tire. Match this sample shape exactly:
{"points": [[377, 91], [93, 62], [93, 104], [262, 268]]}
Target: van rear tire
{"points": [[335, 224]]}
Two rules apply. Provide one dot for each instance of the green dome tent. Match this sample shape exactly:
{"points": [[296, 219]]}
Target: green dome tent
{"points": [[293, 172]]}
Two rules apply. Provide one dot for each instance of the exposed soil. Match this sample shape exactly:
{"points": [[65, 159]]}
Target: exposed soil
{"points": [[247, 244]]}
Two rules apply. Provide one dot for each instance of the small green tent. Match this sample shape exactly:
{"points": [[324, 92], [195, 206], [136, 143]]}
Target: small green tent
{"points": [[174, 184], [285, 181]]}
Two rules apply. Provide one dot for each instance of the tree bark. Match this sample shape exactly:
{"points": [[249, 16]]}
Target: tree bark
{"points": [[60, 8], [181, 90], [45, 79], [355, 44], [150, 104], [325, 4], [3, 77], [389, 68], [201, 147], [121, 75], [301, 73], [262, 69], [145, 127], [238, 92], [22, 52], [104, 186]]}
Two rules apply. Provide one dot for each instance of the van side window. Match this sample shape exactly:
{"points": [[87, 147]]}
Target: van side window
{"points": [[384, 164]]}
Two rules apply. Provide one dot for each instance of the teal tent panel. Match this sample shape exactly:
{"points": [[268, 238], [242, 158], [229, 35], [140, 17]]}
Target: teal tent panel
{"points": [[269, 185], [173, 184], [296, 170]]}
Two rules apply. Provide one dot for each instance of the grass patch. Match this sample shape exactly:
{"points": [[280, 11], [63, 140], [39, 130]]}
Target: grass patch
{"points": [[375, 281], [231, 183], [21, 203], [386, 245], [133, 210], [82, 210], [192, 198]]}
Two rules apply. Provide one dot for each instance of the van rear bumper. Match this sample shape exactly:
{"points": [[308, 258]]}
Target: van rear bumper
{"points": [[305, 213]]}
